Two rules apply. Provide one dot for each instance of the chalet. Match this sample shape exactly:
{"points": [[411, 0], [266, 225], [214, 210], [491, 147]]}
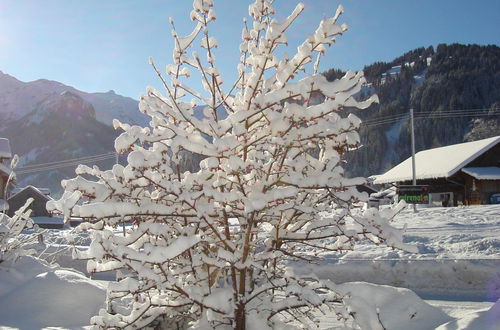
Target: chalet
{"points": [[465, 173], [5, 170], [20, 196]]}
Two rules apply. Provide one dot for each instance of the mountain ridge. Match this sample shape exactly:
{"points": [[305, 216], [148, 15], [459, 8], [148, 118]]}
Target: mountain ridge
{"points": [[453, 89], [18, 98], [35, 115]]}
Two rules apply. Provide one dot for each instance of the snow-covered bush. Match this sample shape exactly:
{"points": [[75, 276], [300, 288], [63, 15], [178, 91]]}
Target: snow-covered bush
{"points": [[12, 243], [209, 249]]}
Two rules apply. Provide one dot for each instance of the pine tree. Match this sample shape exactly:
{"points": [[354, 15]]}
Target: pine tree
{"points": [[209, 249]]}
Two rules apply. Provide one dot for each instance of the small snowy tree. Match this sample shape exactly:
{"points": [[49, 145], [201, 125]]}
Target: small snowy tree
{"points": [[209, 249], [12, 242]]}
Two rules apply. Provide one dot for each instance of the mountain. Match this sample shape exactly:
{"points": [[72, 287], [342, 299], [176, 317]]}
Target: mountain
{"points": [[49, 122], [19, 98], [65, 104], [60, 127], [453, 89]]}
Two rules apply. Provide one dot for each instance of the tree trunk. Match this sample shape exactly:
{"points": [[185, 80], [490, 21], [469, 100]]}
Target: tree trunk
{"points": [[240, 318]]}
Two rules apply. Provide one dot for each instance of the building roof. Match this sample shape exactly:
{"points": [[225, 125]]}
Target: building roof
{"points": [[48, 221], [5, 148], [483, 173], [364, 188], [439, 162], [38, 191], [44, 191]]}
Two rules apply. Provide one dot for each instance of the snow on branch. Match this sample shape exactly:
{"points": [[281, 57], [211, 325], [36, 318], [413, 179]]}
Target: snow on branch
{"points": [[12, 243], [208, 248]]}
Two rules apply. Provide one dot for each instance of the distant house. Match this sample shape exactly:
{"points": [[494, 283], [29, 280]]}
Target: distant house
{"points": [[39, 213], [465, 173], [20, 196], [5, 170]]}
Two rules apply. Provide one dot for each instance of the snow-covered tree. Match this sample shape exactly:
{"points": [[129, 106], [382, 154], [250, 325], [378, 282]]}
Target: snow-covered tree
{"points": [[12, 242], [209, 249]]}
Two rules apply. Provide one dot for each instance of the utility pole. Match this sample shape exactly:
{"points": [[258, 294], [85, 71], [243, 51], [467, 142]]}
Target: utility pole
{"points": [[413, 155], [123, 222]]}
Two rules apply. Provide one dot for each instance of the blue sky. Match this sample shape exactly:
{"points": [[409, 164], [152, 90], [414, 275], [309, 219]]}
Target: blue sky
{"points": [[98, 45]]}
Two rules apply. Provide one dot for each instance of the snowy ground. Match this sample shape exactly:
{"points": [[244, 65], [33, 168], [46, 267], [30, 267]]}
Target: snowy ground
{"points": [[457, 271], [454, 309], [459, 256]]}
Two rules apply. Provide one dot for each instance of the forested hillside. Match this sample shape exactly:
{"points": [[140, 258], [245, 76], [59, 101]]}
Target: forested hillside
{"points": [[454, 91]]}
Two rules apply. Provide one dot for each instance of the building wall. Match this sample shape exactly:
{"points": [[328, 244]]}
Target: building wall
{"points": [[461, 185], [455, 185], [489, 158], [2, 188], [484, 189], [488, 188]]}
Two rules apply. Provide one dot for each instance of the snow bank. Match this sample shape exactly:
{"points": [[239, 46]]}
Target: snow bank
{"points": [[459, 249], [436, 279], [34, 295], [484, 320], [387, 307]]}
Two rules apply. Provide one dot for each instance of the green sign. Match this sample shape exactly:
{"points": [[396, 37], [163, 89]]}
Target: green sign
{"points": [[414, 194]]}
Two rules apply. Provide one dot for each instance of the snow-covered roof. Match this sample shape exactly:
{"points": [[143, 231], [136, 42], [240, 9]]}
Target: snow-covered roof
{"points": [[5, 148], [43, 192], [439, 162], [388, 193], [483, 173], [372, 178], [48, 220]]}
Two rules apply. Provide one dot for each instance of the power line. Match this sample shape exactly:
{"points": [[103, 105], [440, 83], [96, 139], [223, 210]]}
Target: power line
{"points": [[382, 122], [70, 160], [452, 113], [62, 164], [432, 115]]}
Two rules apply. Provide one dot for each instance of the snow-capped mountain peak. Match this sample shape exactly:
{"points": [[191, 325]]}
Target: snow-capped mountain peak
{"points": [[18, 98], [66, 103]]}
